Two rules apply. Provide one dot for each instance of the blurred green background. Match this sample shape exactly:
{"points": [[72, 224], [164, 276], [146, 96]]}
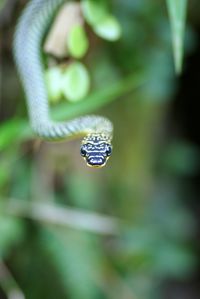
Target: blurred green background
{"points": [[125, 231]]}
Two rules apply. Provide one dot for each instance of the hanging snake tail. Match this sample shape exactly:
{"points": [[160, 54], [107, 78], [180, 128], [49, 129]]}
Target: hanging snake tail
{"points": [[97, 131]]}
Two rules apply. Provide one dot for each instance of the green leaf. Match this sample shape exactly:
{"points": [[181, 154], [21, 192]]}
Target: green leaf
{"points": [[53, 78], [109, 28], [94, 11], [77, 42], [177, 14], [75, 82]]}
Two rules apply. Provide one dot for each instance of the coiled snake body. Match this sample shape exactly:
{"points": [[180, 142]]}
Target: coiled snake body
{"points": [[97, 130]]}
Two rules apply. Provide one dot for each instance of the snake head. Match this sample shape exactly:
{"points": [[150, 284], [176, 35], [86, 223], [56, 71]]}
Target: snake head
{"points": [[96, 149]]}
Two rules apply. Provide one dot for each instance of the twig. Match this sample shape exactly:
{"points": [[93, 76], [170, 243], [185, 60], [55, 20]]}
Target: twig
{"points": [[8, 283], [65, 216]]}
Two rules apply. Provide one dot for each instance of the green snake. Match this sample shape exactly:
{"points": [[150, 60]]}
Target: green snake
{"points": [[97, 131]]}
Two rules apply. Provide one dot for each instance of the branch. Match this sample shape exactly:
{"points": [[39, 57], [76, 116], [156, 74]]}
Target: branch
{"points": [[64, 216]]}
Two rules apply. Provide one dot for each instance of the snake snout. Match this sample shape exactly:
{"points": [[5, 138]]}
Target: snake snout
{"points": [[96, 160]]}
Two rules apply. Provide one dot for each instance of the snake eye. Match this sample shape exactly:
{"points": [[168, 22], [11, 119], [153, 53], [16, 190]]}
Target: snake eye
{"points": [[83, 152], [108, 150]]}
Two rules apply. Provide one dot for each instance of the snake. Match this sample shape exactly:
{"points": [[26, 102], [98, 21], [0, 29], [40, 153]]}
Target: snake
{"points": [[96, 131]]}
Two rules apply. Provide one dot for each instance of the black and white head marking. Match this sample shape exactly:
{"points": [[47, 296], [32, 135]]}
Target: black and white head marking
{"points": [[96, 149]]}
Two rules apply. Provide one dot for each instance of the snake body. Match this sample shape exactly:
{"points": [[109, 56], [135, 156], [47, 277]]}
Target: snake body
{"points": [[97, 131]]}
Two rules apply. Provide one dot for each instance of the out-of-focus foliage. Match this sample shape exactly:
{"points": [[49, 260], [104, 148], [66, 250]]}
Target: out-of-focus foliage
{"points": [[70, 79], [109, 29], [148, 235], [77, 42], [53, 78], [94, 12], [177, 13], [76, 82]]}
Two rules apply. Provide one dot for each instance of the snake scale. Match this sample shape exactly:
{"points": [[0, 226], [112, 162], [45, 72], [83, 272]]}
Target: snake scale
{"points": [[96, 130]]}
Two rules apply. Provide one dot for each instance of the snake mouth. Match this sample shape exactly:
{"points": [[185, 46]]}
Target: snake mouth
{"points": [[96, 161]]}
